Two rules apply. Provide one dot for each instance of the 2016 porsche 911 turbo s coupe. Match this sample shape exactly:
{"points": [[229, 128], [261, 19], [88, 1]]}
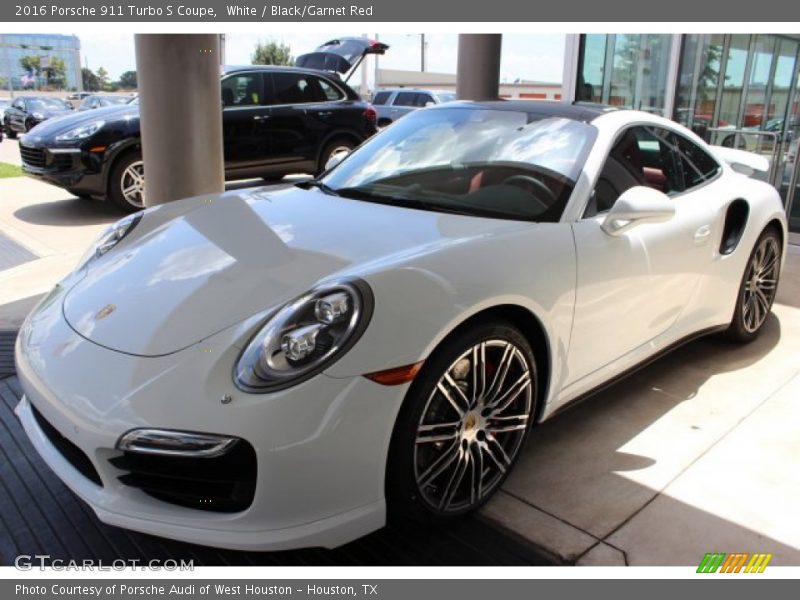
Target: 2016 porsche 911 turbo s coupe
{"points": [[267, 369]]}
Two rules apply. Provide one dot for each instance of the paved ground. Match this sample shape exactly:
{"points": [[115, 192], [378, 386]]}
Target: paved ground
{"points": [[696, 453]]}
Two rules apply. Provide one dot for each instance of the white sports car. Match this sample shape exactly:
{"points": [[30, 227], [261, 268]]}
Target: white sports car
{"points": [[267, 369]]}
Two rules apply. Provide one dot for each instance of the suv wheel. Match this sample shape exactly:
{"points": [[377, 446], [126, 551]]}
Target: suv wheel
{"points": [[126, 187], [332, 148]]}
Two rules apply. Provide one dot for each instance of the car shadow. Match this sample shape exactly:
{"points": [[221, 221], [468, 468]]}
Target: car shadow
{"points": [[599, 464], [69, 212]]}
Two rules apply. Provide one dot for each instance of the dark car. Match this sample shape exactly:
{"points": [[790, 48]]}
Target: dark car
{"points": [[276, 121], [102, 100], [26, 112]]}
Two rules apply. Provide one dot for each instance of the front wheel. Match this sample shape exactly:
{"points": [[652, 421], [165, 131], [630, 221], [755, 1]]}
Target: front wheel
{"points": [[757, 289], [12, 135], [126, 185], [462, 425]]}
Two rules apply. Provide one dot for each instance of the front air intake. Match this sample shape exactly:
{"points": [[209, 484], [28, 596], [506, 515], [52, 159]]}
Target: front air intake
{"points": [[219, 483]]}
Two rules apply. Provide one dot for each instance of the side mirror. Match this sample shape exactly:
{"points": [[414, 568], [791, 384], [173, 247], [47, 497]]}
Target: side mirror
{"points": [[336, 159], [635, 206]]}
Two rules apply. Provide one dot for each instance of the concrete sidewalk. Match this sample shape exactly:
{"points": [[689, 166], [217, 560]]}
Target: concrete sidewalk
{"points": [[698, 452]]}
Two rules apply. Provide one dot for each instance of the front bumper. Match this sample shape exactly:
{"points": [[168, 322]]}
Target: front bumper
{"points": [[71, 168], [321, 446]]}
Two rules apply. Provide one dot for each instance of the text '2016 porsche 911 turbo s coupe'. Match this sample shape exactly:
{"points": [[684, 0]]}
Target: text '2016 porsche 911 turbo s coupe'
{"points": [[270, 369]]}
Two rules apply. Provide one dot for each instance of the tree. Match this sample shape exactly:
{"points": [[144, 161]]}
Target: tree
{"points": [[90, 81], [56, 72], [102, 79], [128, 80], [31, 64], [272, 53]]}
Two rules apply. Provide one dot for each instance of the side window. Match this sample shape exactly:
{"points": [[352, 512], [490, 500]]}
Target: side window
{"points": [[381, 98], [641, 156], [697, 166], [87, 102], [329, 91], [422, 99], [296, 88], [405, 99], [245, 89]]}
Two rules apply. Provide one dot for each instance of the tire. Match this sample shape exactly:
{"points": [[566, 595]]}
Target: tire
{"points": [[336, 145], [28, 126], [757, 289], [12, 135], [123, 178], [436, 447]]}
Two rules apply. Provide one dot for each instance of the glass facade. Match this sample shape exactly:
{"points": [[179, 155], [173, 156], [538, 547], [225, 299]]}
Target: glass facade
{"points": [[737, 90], [624, 70], [19, 51]]}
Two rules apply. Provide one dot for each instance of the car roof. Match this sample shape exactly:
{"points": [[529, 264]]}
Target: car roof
{"points": [[226, 69], [414, 89], [585, 113]]}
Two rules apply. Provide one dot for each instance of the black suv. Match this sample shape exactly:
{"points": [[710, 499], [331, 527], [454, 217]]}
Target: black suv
{"points": [[276, 121]]}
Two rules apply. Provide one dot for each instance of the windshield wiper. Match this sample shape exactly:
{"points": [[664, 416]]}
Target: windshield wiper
{"points": [[317, 184]]}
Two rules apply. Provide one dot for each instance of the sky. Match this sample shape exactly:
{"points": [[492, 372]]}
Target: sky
{"points": [[534, 57]]}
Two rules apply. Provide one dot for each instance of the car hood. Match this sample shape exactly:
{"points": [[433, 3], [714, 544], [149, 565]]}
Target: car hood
{"points": [[72, 120], [243, 253]]}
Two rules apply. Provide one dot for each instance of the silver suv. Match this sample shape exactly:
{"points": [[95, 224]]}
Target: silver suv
{"points": [[393, 103]]}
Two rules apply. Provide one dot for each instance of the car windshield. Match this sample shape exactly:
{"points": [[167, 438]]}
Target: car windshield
{"points": [[493, 163], [46, 104], [134, 101], [446, 97]]}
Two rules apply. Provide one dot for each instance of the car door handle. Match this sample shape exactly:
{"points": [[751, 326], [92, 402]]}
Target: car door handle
{"points": [[702, 235], [260, 117]]}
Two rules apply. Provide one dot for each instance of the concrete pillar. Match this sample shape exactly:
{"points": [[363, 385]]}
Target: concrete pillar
{"points": [[479, 66], [181, 115]]}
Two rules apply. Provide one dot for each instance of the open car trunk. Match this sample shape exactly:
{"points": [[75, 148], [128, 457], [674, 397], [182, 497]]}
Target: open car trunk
{"points": [[341, 55]]}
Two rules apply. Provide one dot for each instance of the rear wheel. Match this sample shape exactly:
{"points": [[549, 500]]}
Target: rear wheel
{"points": [[462, 424], [757, 289], [332, 148], [126, 185]]}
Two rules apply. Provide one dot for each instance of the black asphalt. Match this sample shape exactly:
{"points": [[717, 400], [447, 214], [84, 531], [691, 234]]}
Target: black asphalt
{"points": [[39, 515]]}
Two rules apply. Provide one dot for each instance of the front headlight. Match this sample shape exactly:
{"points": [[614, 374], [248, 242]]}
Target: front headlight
{"points": [[109, 238], [305, 336], [38, 116], [81, 132]]}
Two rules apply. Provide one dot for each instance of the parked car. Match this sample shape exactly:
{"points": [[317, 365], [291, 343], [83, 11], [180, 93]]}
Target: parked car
{"points": [[276, 121], [393, 103], [267, 369], [26, 112], [103, 100], [4, 104]]}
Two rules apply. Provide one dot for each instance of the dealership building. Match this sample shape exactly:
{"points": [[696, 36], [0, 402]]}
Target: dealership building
{"points": [[15, 46], [738, 90]]}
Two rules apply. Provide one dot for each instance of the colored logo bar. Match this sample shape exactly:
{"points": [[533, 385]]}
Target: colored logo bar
{"points": [[735, 562]]}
